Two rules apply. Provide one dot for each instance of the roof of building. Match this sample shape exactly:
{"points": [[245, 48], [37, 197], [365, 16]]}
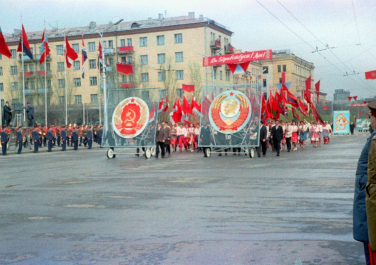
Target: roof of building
{"points": [[93, 28]]}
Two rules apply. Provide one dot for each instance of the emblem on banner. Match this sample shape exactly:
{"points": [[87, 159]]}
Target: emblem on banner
{"points": [[229, 112], [130, 117], [341, 122]]}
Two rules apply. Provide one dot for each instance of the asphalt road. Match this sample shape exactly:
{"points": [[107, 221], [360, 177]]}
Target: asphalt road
{"points": [[82, 208]]}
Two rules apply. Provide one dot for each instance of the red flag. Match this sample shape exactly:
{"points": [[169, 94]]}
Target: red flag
{"points": [[317, 86], [125, 69], [307, 94], [44, 49], [371, 74], [167, 104], [186, 108], [23, 45], [295, 114], [188, 88], [274, 106], [70, 54], [289, 98], [177, 112], [160, 107], [4, 50], [355, 97], [349, 98], [303, 108], [283, 77], [100, 58], [205, 106], [196, 109], [316, 114], [152, 113]]}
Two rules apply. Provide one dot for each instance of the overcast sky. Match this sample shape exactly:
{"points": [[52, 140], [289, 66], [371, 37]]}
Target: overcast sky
{"points": [[346, 25]]}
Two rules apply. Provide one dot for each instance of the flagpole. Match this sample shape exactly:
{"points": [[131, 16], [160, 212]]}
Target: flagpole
{"points": [[83, 84], [1, 114], [99, 98], [45, 80], [66, 84], [23, 82]]}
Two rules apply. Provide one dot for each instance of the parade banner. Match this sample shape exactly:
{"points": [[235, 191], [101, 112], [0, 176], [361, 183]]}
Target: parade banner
{"points": [[237, 58], [341, 122], [363, 124]]}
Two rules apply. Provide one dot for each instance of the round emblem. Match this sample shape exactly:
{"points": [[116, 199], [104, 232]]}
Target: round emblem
{"points": [[229, 112], [130, 117]]}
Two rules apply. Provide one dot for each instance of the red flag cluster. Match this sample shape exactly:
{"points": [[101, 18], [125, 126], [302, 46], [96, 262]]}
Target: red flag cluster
{"points": [[354, 97]]}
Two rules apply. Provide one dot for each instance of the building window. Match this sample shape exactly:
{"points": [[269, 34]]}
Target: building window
{"points": [[77, 82], [212, 36], [161, 76], [2, 103], [61, 83], [122, 43], [178, 57], [179, 74], [145, 77], [61, 100], [280, 80], [76, 47], [1, 70], [92, 64], [13, 70], [179, 92], [31, 67], [14, 54], [110, 44], [227, 75], [161, 58], [129, 42], [91, 46], [279, 68], [160, 40], [77, 99], [93, 81], [76, 65], [124, 78], [220, 75], [144, 59], [60, 66], [32, 85], [130, 59], [110, 61], [178, 38], [130, 78], [143, 41], [59, 49], [284, 68], [263, 82], [94, 98], [14, 86], [41, 67], [1, 87]]}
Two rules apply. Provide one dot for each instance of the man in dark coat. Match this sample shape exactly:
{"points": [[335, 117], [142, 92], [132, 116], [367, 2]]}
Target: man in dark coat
{"points": [[263, 136], [167, 133], [89, 136], [277, 136], [19, 139], [7, 113], [360, 227], [75, 138], [30, 114], [63, 134], [160, 137], [50, 139], [4, 140], [36, 139]]}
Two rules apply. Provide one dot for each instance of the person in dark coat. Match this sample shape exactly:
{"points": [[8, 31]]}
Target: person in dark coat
{"points": [[352, 126], [7, 113], [36, 139], [4, 140], [100, 135], [160, 137], [19, 139], [360, 227], [75, 138], [205, 136], [263, 136], [167, 132], [277, 136], [30, 114], [63, 134], [50, 139], [89, 136]]}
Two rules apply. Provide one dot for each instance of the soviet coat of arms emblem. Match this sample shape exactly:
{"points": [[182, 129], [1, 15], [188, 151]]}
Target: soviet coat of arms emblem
{"points": [[229, 112], [130, 117]]}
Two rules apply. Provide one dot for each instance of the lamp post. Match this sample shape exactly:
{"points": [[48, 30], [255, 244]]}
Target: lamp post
{"points": [[104, 74]]}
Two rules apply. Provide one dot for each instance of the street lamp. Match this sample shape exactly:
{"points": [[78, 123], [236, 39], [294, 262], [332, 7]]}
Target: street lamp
{"points": [[104, 73]]}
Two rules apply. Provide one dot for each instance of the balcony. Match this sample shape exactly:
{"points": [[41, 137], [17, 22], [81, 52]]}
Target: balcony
{"points": [[42, 90], [29, 91], [229, 49], [37, 91], [25, 58], [108, 51], [128, 85], [108, 86], [28, 75], [215, 45], [109, 69], [43, 73], [125, 50]]}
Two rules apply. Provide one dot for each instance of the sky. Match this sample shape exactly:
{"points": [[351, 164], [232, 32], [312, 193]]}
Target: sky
{"points": [[347, 27]]}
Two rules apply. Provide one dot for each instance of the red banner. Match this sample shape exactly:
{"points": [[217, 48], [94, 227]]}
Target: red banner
{"points": [[188, 88], [371, 75], [237, 58], [358, 105]]}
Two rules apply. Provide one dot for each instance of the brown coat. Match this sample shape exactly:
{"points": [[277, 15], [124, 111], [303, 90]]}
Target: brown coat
{"points": [[371, 194]]}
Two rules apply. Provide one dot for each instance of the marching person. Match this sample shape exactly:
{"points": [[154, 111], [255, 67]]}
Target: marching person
{"points": [[197, 133], [360, 225], [58, 137], [4, 140], [30, 114], [19, 139], [263, 137], [89, 137], [314, 134], [36, 139], [294, 136], [276, 136], [320, 129], [302, 134], [63, 134], [160, 139], [50, 138], [75, 138], [288, 135], [182, 133], [371, 185], [7, 113], [174, 137], [167, 130]]}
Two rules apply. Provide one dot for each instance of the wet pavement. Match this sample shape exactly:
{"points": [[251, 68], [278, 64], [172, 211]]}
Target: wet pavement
{"points": [[82, 208]]}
